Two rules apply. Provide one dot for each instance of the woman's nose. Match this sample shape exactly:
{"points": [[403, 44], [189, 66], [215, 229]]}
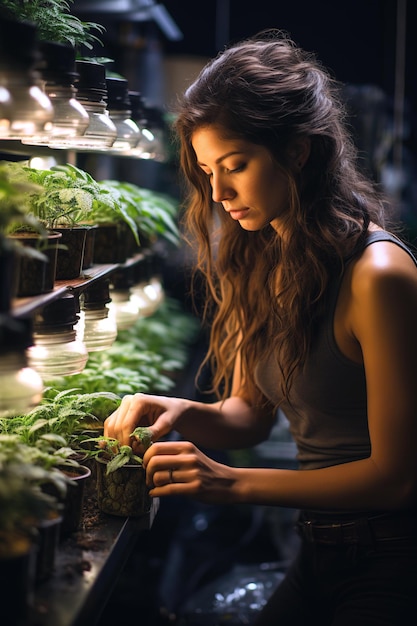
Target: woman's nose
{"points": [[220, 191]]}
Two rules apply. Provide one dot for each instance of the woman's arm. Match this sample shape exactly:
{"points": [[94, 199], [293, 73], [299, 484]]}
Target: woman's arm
{"points": [[380, 319], [229, 424], [232, 423]]}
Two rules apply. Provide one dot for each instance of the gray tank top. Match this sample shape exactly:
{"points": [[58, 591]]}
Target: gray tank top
{"points": [[328, 410]]}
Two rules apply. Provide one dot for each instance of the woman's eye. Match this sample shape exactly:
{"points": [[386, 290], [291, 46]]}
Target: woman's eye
{"points": [[236, 169]]}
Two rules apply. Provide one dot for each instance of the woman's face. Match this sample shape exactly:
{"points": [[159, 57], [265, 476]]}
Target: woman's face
{"points": [[243, 177]]}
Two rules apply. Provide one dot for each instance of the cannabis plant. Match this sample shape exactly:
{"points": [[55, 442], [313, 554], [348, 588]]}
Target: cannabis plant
{"points": [[14, 202], [117, 455], [54, 21]]}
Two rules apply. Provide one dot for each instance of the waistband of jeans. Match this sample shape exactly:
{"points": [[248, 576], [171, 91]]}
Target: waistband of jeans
{"points": [[362, 530]]}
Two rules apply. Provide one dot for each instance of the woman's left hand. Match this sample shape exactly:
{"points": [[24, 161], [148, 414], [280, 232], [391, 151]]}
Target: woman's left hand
{"points": [[178, 468]]}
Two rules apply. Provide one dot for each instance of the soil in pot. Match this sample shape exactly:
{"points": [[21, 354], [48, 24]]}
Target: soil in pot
{"points": [[35, 275], [122, 492]]}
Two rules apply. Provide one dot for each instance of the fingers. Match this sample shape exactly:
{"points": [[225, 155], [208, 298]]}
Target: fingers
{"points": [[140, 410], [169, 464], [131, 413]]}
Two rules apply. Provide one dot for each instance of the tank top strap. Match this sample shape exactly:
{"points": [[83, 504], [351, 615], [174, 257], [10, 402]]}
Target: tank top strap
{"points": [[378, 235], [382, 235]]}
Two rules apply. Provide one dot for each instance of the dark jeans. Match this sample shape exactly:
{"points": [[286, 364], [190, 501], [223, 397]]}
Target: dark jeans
{"points": [[357, 584]]}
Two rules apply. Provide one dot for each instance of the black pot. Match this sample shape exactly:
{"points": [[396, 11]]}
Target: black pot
{"points": [[17, 579], [70, 259], [9, 273], [36, 275]]}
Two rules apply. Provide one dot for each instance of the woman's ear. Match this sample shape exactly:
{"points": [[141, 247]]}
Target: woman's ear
{"points": [[299, 151]]}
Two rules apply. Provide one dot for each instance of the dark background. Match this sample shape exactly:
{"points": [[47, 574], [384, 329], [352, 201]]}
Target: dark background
{"points": [[356, 39]]}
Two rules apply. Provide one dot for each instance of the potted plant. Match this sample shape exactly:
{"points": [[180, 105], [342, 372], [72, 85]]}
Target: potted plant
{"points": [[23, 506], [121, 485], [32, 511], [68, 201], [154, 213], [51, 435], [15, 210], [118, 236]]}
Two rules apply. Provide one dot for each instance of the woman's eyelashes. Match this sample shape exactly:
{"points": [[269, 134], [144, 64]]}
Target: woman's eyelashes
{"points": [[234, 170]]}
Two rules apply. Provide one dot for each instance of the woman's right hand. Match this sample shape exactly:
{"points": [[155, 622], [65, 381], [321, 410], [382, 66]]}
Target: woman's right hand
{"points": [[159, 413]]}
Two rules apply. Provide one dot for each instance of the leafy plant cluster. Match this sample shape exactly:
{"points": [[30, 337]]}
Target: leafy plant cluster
{"points": [[14, 203], [64, 194], [37, 446], [153, 212], [34, 447], [54, 21], [68, 195], [117, 455]]}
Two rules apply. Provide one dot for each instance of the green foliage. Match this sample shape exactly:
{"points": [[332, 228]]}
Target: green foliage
{"points": [[154, 213], [25, 470], [143, 435], [22, 500], [117, 455], [57, 425], [14, 200], [54, 21], [67, 195]]}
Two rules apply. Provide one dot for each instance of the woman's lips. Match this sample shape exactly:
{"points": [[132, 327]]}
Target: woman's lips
{"points": [[238, 214]]}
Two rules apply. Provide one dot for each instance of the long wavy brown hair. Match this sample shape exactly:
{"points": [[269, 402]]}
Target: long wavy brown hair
{"points": [[264, 293]]}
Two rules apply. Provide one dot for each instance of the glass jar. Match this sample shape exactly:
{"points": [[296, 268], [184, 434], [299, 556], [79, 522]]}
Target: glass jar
{"points": [[118, 105], [21, 387], [96, 328], [57, 351], [144, 148], [147, 292], [70, 118], [123, 309], [31, 111], [6, 109], [101, 131]]}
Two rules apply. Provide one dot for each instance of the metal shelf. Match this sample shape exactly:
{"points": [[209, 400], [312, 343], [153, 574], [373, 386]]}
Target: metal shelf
{"points": [[87, 567]]}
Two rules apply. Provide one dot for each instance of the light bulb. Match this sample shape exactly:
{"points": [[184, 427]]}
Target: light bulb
{"points": [[21, 387], [96, 328], [101, 131], [118, 104], [31, 110], [123, 309], [57, 351], [147, 291], [6, 104], [145, 146]]}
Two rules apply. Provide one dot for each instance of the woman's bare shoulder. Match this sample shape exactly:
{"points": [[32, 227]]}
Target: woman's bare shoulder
{"points": [[383, 260], [383, 284]]}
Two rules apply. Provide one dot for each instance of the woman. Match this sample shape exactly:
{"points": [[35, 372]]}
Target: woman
{"points": [[313, 309]]}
